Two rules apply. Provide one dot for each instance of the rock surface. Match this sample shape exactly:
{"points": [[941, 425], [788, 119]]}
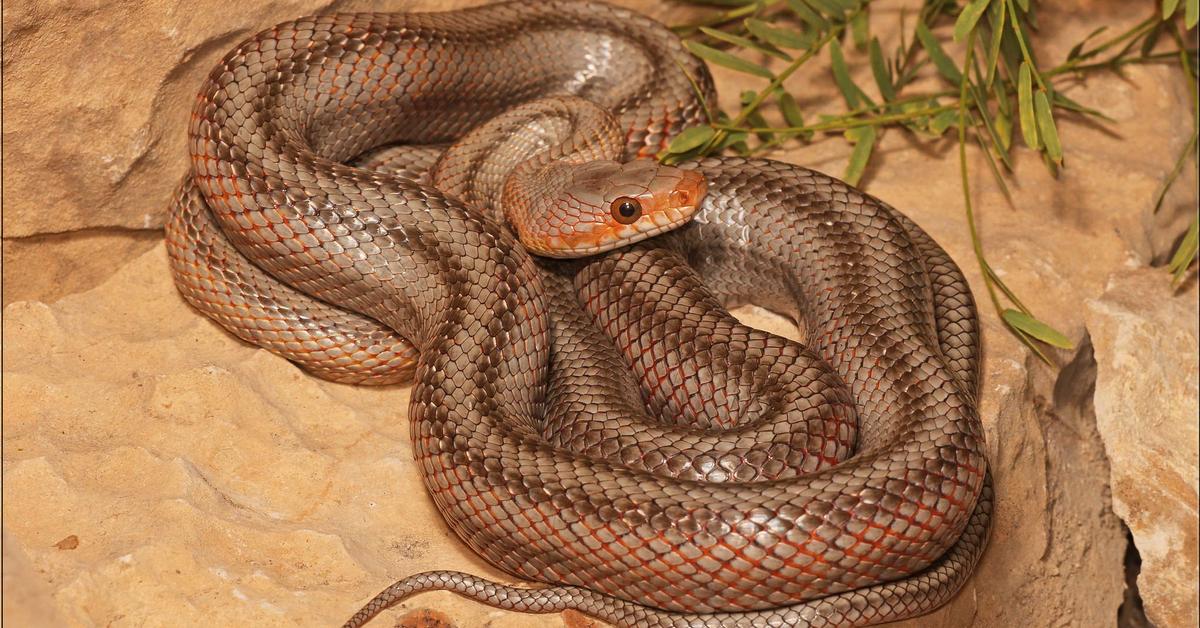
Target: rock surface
{"points": [[157, 471], [1147, 348]]}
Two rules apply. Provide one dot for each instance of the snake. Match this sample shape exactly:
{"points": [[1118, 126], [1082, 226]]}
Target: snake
{"points": [[601, 425]]}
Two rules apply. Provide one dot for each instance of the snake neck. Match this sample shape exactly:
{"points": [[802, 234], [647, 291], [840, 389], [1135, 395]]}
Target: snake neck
{"points": [[531, 148]]}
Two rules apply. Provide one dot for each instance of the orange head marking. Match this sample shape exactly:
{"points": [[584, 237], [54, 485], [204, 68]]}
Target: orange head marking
{"points": [[608, 204]]}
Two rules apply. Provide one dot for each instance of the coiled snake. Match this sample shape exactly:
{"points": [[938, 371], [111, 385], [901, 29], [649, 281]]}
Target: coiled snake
{"points": [[839, 481]]}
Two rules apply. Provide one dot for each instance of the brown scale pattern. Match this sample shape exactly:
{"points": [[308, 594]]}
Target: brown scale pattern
{"points": [[659, 533]]}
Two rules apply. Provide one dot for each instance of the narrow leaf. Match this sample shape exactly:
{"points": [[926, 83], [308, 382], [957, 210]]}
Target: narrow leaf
{"points": [[860, 30], [720, 57], [757, 121], [694, 137], [810, 17], [790, 110], [994, 168], [1188, 150], [732, 138], [968, 18], [943, 121], [841, 75], [1078, 48], [1186, 253], [1151, 39], [1025, 107], [883, 76], [997, 143], [742, 42], [1059, 100], [725, 3], [1037, 329], [943, 62], [998, 27], [1003, 127], [1045, 121], [1010, 48], [1003, 102], [828, 7], [864, 140], [1191, 14], [755, 118], [782, 37], [1024, 4], [1169, 7]]}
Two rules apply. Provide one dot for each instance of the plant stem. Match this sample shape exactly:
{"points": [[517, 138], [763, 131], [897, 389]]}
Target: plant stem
{"points": [[1157, 57], [842, 122], [787, 72], [721, 18]]}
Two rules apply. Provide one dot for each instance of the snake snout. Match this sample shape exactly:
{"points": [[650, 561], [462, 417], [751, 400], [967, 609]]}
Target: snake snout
{"points": [[690, 191]]}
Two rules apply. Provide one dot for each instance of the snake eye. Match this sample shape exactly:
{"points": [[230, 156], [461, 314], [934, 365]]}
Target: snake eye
{"points": [[626, 210]]}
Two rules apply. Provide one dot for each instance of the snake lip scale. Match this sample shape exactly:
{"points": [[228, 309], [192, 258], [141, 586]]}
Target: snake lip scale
{"points": [[602, 426]]}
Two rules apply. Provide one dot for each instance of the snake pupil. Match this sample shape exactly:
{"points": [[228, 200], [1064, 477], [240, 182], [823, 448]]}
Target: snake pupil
{"points": [[626, 210]]}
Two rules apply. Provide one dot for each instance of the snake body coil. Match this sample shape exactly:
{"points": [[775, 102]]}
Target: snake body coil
{"points": [[719, 513]]}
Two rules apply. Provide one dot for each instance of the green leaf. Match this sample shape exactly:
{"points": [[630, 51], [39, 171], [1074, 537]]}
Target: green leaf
{"points": [[1045, 121], [720, 57], [828, 7], [1151, 39], [742, 42], [810, 17], [1010, 48], [969, 17], [688, 139], [860, 29], [841, 75], [864, 140], [995, 169], [791, 115], [1169, 7], [1025, 107], [1059, 100], [755, 118], [998, 143], [883, 76], [1186, 252], [943, 62], [1024, 4], [790, 110], [1003, 102], [731, 138], [782, 37], [943, 121], [1003, 128], [1035, 328], [1191, 14], [1078, 48], [998, 27]]}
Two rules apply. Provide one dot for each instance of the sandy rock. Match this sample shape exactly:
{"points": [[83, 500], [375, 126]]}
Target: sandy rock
{"points": [[157, 470], [97, 97], [1145, 339]]}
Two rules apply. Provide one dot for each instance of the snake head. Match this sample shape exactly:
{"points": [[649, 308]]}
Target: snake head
{"points": [[607, 205]]}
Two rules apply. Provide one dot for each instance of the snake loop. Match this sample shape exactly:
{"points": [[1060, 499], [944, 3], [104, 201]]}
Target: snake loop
{"points": [[531, 441]]}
